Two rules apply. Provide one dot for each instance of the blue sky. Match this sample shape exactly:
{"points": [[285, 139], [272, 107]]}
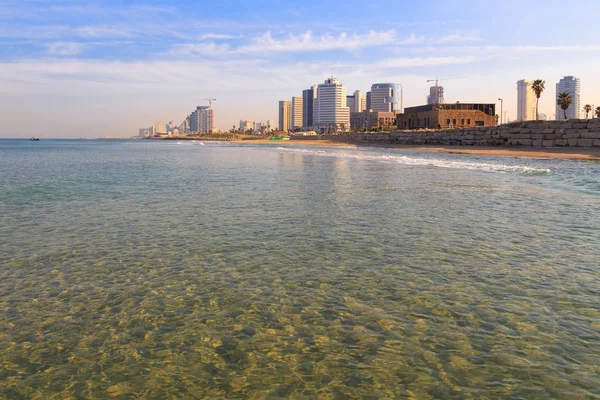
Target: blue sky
{"points": [[98, 68]]}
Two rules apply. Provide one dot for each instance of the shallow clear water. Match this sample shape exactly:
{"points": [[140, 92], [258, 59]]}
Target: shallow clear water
{"points": [[166, 270]]}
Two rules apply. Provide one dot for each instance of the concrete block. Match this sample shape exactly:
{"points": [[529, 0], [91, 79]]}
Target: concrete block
{"points": [[537, 136], [585, 142], [525, 130], [548, 143], [571, 135], [548, 130], [590, 135], [537, 143], [580, 125], [572, 142], [596, 143], [594, 126], [560, 142]]}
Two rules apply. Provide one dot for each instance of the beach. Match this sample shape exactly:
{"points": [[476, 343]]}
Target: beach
{"points": [[572, 153]]}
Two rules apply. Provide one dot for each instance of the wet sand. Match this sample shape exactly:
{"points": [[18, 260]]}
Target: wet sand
{"points": [[578, 153]]}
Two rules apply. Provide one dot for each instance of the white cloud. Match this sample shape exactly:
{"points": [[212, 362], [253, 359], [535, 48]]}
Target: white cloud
{"points": [[103, 32], [458, 38], [427, 61], [309, 42], [64, 48], [221, 36]]}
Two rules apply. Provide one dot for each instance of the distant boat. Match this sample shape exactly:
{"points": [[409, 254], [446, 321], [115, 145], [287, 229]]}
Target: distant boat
{"points": [[33, 138]]}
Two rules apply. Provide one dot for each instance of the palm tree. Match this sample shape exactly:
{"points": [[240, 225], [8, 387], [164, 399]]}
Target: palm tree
{"points": [[564, 100], [597, 112], [587, 109], [538, 88]]}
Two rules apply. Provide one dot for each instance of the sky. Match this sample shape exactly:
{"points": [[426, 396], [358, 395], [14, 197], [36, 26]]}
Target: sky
{"points": [[106, 68]]}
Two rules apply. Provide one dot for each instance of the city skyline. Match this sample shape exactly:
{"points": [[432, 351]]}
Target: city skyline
{"points": [[107, 67]]}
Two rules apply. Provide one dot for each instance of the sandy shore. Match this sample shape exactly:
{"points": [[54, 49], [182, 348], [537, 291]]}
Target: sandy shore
{"points": [[579, 153]]}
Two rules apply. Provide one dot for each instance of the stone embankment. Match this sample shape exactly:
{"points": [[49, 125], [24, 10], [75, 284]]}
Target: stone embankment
{"points": [[571, 133]]}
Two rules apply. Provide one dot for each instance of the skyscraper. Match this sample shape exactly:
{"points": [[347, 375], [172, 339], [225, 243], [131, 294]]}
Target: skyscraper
{"points": [[285, 115], [368, 97], [308, 97], [384, 97], [525, 101], [350, 102], [571, 85], [360, 101], [436, 95], [201, 120], [297, 112], [330, 111]]}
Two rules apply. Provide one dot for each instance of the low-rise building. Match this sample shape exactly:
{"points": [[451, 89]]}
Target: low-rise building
{"points": [[369, 119], [448, 116]]}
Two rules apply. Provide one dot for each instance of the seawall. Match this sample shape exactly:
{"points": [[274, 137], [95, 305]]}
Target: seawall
{"points": [[571, 133]]}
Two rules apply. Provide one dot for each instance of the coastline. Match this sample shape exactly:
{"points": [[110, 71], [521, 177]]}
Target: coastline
{"points": [[571, 153]]}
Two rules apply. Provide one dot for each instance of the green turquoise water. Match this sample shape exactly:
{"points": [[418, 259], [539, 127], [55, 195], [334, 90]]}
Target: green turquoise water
{"points": [[162, 270]]}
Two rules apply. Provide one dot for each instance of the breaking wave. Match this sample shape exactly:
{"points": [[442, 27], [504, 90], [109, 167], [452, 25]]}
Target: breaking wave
{"points": [[416, 161]]}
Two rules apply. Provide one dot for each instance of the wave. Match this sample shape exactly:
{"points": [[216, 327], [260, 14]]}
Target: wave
{"points": [[433, 162]]}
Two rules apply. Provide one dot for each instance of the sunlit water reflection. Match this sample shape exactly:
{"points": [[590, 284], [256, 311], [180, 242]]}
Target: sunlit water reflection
{"points": [[158, 270]]}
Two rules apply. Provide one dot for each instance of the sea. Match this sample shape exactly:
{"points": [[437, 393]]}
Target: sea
{"points": [[183, 270]]}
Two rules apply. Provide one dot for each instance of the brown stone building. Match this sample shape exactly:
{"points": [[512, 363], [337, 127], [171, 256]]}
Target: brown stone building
{"points": [[447, 116], [369, 119]]}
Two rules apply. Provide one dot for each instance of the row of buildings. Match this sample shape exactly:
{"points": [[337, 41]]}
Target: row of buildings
{"points": [[262, 128], [200, 121], [526, 98], [327, 107]]}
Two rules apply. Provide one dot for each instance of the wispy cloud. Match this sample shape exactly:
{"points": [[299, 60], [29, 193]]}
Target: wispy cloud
{"points": [[310, 42], [427, 61], [64, 48], [220, 36], [459, 38]]}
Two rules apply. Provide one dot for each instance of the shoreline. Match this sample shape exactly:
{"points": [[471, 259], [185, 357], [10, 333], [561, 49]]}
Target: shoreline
{"points": [[567, 153]]}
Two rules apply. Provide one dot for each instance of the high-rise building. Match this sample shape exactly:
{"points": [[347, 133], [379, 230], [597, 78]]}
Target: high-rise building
{"points": [[159, 128], [384, 97], [436, 95], [350, 102], [330, 111], [360, 102], [285, 115], [297, 112], [356, 102], [246, 126], [201, 120], [308, 97], [368, 100], [571, 85], [525, 101], [270, 125]]}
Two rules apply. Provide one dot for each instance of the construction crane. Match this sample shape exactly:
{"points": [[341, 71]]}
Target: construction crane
{"points": [[210, 102], [437, 93], [444, 79]]}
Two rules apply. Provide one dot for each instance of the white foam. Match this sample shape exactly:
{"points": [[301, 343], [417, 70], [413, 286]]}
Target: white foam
{"points": [[441, 163]]}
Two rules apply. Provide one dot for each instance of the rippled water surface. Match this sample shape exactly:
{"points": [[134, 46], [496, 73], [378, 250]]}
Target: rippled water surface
{"points": [[164, 270]]}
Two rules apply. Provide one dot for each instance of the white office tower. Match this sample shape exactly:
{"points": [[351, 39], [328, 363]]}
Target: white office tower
{"points": [[360, 102], [297, 112], [525, 101], [330, 110], [285, 115], [201, 120], [384, 97], [436, 95], [571, 85]]}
